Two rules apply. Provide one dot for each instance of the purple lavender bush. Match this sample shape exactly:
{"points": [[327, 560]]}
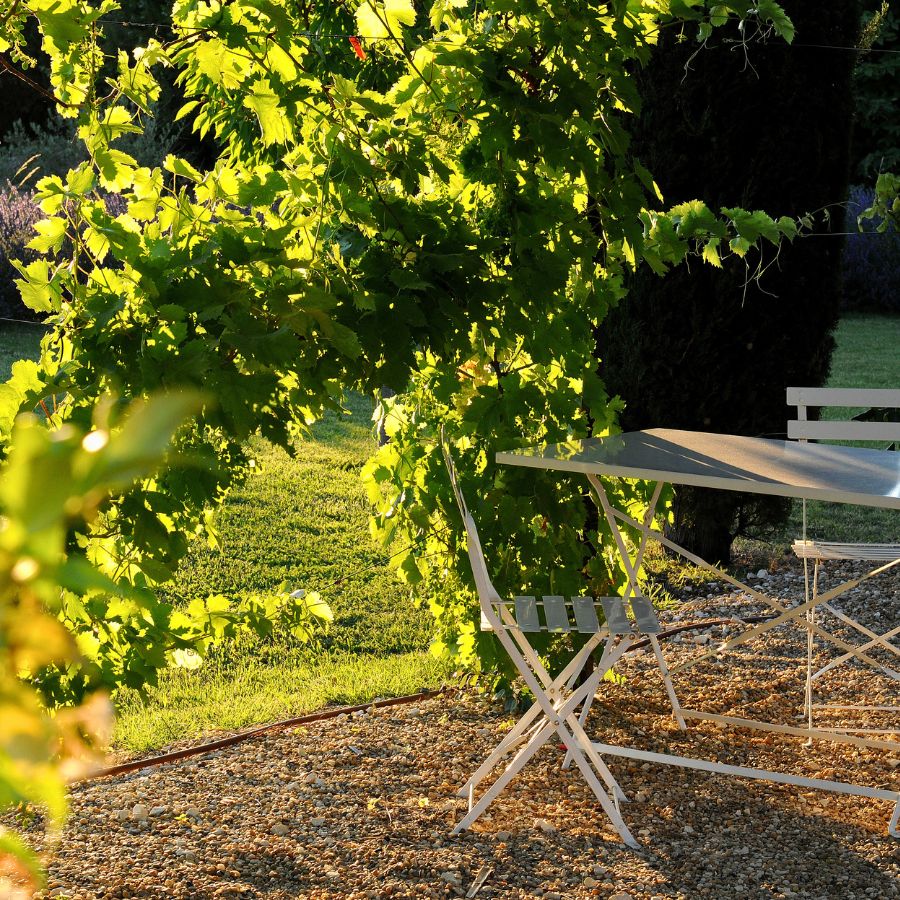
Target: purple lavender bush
{"points": [[18, 214], [871, 261]]}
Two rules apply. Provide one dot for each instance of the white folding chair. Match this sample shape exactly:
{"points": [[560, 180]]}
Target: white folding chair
{"points": [[846, 429], [557, 700]]}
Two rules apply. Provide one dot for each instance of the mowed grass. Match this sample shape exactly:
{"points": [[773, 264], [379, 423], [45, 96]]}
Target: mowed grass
{"points": [[18, 342], [301, 521]]}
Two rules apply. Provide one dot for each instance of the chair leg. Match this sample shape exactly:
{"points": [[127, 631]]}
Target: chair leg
{"points": [[602, 667], [594, 680], [522, 731], [567, 714], [598, 763], [513, 768], [810, 646], [518, 733], [578, 742]]}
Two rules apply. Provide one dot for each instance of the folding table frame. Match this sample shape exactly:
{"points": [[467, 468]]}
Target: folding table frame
{"points": [[758, 466], [797, 615]]}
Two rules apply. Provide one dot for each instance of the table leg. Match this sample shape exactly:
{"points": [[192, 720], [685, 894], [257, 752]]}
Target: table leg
{"points": [[631, 570]]}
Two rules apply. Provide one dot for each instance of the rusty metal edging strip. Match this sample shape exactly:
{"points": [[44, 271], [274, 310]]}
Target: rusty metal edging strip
{"points": [[233, 739]]}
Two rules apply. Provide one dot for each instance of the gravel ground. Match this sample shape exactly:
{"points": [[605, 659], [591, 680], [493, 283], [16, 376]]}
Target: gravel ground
{"points": [[362, 806]]}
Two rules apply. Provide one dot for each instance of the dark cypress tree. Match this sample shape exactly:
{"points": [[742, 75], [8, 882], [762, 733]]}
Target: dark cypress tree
{"points": [[703, 349]]}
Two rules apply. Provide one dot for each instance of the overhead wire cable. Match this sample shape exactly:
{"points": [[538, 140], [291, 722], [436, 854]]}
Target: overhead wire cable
{"points": [[362, 37]]}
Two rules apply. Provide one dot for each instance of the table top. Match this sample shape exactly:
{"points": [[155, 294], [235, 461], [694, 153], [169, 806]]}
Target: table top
{"points": [[729, 462]]}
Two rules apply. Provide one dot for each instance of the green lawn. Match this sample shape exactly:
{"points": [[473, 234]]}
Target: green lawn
{"points": [[867, 352], [304, 521], [17, 342]]}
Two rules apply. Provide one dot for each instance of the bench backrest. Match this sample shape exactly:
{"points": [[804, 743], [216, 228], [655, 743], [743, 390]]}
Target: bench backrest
{"points": [[847, 429]]}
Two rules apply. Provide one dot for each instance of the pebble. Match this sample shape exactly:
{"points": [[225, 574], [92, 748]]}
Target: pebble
{"points": [[139, 812], [545, 826]]}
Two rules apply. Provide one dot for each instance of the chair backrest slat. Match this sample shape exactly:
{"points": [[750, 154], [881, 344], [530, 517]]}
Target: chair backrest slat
{"points": [[847, 429], [805, 396], [826, 430], [556, 615]]}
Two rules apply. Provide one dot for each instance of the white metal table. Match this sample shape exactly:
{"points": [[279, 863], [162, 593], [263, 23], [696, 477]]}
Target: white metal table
{"points": [[749, 465]]}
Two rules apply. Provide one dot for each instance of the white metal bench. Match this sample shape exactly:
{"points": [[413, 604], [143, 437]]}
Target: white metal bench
{"points": [[846, 429]]}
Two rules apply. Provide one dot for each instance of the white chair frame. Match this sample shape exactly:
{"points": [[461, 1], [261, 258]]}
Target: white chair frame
{"points": [[804, 429], [557, 700]]}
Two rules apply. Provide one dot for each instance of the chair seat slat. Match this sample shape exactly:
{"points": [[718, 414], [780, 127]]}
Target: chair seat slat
{"points": [[585, 615], [645, 616], [527, 614], [838, 550], [616, 618], [556, 614]]}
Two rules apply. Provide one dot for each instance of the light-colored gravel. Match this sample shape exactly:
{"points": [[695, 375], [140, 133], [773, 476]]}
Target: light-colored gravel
{"points": [[362, 806]]}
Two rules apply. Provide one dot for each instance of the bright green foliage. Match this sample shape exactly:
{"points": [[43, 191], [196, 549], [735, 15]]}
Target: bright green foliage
{"points": [[457, 210], [886, 205], [50, 482]]}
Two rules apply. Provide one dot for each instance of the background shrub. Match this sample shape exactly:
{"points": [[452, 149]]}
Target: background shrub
{"points": [[871, 261], [29, 152], [18, 213]]}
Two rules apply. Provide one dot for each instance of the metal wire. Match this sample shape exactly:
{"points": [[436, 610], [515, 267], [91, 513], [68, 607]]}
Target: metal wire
{"points": [[345, 35]]}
